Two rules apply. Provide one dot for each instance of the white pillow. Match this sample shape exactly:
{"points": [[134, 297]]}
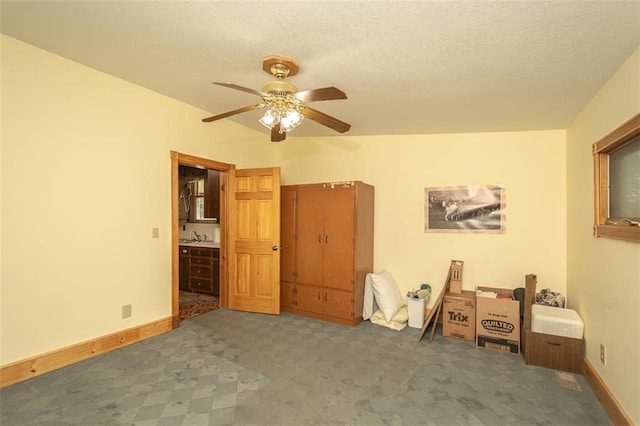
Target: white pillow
{"points": [[387, 294], [369, 306]]}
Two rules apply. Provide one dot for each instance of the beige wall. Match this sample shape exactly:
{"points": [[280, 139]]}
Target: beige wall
{"points": [[85, 176], [531, 165], [604, 274], [94, 152]]}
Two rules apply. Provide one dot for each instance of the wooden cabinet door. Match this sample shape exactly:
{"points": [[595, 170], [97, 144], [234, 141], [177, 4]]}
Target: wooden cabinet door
{"points": [[287, 234], [215, 277], [287, 296], [183, 277], [310, 236], [338, 304], [309, 298], [339, 233]]}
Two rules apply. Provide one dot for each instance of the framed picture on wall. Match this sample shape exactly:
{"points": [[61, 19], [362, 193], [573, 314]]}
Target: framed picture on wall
{"points": [[465, 209]]}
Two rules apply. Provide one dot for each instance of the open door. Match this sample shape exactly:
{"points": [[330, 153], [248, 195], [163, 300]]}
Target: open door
{"points": [[254, 240]]}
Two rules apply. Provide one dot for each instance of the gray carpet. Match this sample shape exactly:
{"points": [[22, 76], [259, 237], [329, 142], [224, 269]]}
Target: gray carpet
{"points": [[227, 367]]}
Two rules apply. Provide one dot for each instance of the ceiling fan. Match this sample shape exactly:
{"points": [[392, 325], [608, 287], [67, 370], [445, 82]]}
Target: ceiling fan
{"points": [[285, 104]]}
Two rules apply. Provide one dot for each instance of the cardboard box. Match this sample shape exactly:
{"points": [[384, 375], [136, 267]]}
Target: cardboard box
{"points": [[498, 320], [459, 315], [455, 276]]}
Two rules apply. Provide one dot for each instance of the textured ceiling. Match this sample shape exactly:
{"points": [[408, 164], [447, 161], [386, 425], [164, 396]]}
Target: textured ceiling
{"points": [[408, 67]]}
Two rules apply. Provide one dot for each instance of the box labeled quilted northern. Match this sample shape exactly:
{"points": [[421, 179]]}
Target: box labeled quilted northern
{"points": [[497, 320]]}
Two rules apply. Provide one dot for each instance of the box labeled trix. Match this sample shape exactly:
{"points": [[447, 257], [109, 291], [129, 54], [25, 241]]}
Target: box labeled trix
{"points": [[459, 315], [497, 320]]}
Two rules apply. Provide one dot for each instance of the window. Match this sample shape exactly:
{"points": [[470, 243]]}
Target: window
{"points": [[617, 183], [199, 191]]}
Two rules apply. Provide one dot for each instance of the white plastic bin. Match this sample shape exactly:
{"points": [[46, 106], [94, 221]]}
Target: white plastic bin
{"points": [[416, 309], [556, 321]]}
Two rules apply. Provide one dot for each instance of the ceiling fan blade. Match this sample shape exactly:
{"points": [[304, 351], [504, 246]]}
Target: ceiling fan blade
{"points": [[234, 112], [276, 136], [323, 94], [242, 88], [326, 120]]}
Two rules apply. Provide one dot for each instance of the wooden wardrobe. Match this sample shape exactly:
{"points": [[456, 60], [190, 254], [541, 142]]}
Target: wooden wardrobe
{"points": [[327, 249]]}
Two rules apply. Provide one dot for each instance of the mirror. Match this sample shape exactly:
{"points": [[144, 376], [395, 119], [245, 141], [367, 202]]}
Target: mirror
{"points": [[199, 195]]}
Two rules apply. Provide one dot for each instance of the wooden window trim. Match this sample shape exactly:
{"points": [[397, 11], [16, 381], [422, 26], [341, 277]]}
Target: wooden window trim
{"points": [[601, 150]]}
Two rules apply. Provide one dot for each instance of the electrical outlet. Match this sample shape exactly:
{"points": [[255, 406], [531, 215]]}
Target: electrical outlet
{"points": [[126, 311], [603, 354], [155, 232]]}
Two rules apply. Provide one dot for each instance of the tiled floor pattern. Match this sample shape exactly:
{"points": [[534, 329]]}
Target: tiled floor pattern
{"points": [[227, 367]]}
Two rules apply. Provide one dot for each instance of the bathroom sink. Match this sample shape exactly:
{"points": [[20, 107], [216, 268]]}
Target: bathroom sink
{"points": [[198, 243]]}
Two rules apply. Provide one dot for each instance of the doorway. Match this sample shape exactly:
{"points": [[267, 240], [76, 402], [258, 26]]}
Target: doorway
{"points": [[177, 160]]}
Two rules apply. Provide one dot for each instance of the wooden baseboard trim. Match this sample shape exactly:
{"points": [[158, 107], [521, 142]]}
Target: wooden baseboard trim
{"points": [[616, 412], [31, 367]]}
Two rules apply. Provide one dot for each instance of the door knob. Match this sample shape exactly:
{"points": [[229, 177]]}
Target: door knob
{"points": [[275, 248]]}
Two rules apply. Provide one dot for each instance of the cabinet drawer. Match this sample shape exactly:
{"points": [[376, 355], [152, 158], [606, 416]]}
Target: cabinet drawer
{"points": [[200, 271], [201, 252], [201, 285], [200, 261], [556, 352]]}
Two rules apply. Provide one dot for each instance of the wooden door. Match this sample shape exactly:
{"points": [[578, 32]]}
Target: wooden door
{"points": [[212, 194], [339, 230], [254, 240], [310, 236]]}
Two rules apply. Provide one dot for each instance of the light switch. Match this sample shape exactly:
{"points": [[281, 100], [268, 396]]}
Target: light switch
{"points": [[155, 232]]}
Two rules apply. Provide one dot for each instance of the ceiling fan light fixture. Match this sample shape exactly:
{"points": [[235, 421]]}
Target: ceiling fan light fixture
{"points": [[279, 88], [270, 118], [285, 106], [291, 120]]}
